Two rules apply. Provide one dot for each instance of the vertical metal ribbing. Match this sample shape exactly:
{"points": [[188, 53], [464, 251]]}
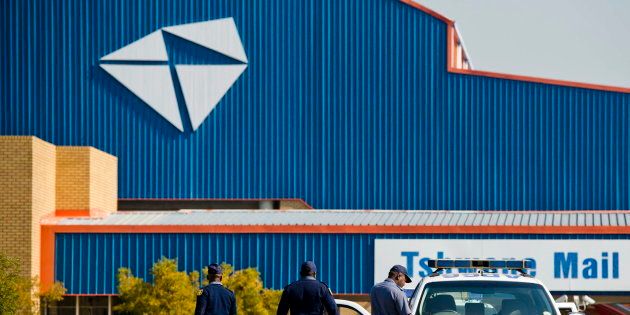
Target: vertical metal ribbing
{"points": [[345, 260], [345, 104]]}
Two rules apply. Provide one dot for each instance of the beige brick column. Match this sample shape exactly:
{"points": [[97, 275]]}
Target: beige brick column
{"points": [[103, 182], [27, 194], [87, 181]]}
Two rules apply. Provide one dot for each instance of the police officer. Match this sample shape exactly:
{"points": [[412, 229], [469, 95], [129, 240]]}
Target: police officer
{"points": [[388, 297], [307, 296], [214, 299]]}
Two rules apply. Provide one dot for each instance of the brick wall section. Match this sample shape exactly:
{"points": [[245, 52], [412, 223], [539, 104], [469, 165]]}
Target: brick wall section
{"points": [[103, 182], [36, 178], [43, 192], [87, 179], [25, 198], [73, 178]]}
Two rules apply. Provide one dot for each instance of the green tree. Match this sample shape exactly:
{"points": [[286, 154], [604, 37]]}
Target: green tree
{"points": [[172, 291], [20, 294], [53, 294], [175, 292], [12, 286], [251, 296]]}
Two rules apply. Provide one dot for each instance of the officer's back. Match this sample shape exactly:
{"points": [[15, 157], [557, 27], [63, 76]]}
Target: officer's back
{"points": [[307, 296], [215, 299]]}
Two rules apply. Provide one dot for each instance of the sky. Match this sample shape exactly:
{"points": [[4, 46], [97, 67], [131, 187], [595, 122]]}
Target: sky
{"points": [[576, 40]]}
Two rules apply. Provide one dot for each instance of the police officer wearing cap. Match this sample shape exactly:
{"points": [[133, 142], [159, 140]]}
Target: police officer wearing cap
{"points": [[215, 299], [307, 296], [388, 297]]}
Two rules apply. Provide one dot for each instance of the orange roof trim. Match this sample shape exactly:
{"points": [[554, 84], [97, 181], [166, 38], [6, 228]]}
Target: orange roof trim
{"points": [[453, 54]]}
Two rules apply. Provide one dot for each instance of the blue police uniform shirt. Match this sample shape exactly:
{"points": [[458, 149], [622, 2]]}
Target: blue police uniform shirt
{"points": [[214, 299], [307, 296], [388, 299]]}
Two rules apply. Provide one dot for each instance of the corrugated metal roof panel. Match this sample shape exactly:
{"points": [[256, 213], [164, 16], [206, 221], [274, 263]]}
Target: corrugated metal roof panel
{"points": [[354, 217], [621, 219], [580, 219]]}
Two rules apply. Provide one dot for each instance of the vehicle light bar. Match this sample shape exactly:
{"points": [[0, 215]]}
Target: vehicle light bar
{"points": [[480, 263]]}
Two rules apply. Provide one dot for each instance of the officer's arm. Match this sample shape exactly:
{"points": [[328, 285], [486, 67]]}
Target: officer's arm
{"points": [[329, 301], [403, 304], [202, 299], [233, 308], [283, 306]]}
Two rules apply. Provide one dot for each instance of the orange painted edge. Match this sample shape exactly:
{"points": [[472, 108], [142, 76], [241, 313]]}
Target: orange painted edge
{"points": [[47, 258], [540, 80], [450, 55], [72, 213], [48, 233]]}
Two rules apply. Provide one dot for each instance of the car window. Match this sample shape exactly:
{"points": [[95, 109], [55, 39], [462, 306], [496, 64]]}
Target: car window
{"points": [[484, 298]]}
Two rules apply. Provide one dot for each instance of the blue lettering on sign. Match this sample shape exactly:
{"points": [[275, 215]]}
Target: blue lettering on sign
{"points": [[417, 264], [590, 268], [424, 265], [565, 265], [410, 256], [615, 265]]}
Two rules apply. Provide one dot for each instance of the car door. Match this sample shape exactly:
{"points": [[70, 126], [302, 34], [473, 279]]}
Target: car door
{"points": [[350, 308]]}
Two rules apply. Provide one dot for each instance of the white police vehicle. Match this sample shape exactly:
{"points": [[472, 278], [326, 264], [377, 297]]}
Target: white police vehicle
{"points": [[482, 292]]}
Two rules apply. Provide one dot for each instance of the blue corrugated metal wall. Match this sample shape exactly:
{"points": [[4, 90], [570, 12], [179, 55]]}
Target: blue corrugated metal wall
{"points": [[87, 263], [345, 104]]}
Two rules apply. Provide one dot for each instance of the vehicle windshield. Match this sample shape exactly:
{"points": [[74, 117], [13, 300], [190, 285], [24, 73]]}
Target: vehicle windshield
{"points": [[485, 298]]}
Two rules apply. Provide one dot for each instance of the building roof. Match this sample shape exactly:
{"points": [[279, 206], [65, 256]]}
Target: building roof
{"points": [[358, 218]]}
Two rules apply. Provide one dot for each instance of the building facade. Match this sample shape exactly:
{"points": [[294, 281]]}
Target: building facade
{"points": [[342, 105]]}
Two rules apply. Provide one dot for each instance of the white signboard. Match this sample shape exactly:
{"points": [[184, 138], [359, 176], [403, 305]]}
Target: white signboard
{"points": [[562, 265]]}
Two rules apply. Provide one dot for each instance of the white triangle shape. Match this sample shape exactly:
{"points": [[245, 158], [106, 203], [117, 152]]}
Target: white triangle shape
{"points": [[148, 48], [219, 35], [203, 87], [153, 85]]}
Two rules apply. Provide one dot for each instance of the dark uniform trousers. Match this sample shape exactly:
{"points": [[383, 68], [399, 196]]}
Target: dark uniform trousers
{"points": [[214, 299], [307, 296]]}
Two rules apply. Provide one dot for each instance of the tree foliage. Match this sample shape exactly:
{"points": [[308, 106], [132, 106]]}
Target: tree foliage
{"points": [[20, 294], [12, 286], [251, 296], [172, 291], [175, 292]]}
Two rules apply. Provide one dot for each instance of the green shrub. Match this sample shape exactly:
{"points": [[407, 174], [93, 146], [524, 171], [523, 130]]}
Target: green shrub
{"points": [[175, 292]]}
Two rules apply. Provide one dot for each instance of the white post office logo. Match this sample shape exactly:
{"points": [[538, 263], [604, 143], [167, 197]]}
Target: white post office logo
{"points": [[202, 86]]}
